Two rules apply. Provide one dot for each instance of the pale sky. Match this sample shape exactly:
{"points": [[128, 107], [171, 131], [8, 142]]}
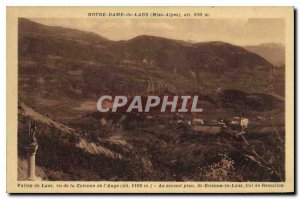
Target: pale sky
{"points": [[236, 31]]}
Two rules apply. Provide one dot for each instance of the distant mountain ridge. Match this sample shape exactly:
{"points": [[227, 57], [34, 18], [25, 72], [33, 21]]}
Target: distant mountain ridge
{"points": [[56, 61], [273, 52]]}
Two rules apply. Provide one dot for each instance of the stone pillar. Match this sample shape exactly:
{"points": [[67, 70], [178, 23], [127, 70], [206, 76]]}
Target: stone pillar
{"points": [[31, 151]]}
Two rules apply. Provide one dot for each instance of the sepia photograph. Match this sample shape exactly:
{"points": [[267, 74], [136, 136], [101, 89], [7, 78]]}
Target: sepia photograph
{"points": [[65, 65]]}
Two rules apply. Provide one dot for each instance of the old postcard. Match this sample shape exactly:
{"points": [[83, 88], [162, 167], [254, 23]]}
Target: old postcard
{"points": [[150, 99]]}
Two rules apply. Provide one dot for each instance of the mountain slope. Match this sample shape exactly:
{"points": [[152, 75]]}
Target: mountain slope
{"points": [[60, 62], [167, 53], [69, 154], [27, 26]]}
